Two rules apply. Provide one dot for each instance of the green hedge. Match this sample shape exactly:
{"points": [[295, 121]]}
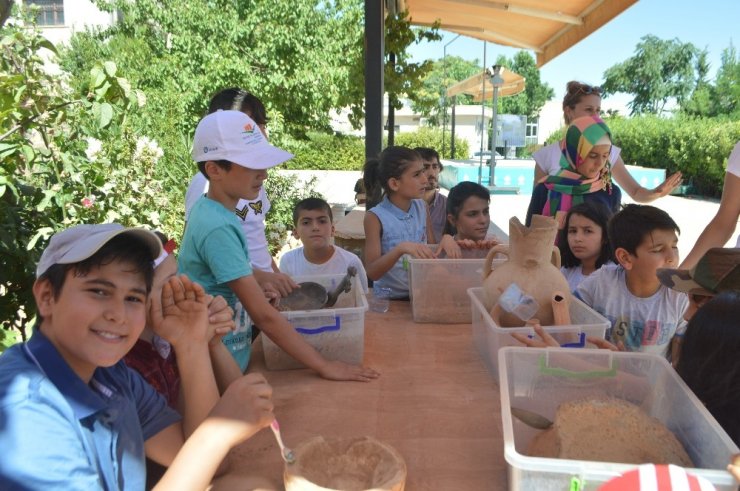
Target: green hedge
{"points": [[698, 147], [323, 151]]}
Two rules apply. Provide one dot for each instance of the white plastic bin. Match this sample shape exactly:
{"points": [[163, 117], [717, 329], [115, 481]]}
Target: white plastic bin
{"points": [[337, 333], [438, 287], [489, 337], [541, 379]]}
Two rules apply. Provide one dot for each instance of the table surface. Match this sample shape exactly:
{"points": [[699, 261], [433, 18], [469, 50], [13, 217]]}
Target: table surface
{"points": [[435, 403]]}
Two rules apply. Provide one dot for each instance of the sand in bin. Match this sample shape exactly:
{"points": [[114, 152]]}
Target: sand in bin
{"points": [[608, 430], [348, 464]]}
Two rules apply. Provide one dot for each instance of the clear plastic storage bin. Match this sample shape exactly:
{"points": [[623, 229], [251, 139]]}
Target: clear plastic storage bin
{"points": [[541, 379], [489, 337], [338, 333]]}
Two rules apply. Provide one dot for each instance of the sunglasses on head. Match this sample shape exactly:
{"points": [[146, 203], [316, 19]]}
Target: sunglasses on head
{"points": [[588, 89]]}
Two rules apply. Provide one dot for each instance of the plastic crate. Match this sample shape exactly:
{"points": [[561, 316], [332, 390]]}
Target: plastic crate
{"points": [[489, 337], [541, 379], [337, 333], [438, 288]]}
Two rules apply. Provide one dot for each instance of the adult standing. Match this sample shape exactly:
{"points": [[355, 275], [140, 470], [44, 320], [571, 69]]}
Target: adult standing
{"points": [[585, 100], [436, 201], [721, 227]]}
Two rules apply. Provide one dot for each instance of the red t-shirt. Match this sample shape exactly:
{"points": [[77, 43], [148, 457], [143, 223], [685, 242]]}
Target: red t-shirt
{"points": [[161, 373]]}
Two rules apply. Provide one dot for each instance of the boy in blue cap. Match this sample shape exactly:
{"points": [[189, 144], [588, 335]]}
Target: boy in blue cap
{"points": [[73, 415]]}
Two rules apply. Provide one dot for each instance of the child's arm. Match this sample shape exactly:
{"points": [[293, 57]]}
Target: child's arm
{"points": [[245, 408], [431, 239], [277, 328], [376, 265], [221, 319], [181, 317]]}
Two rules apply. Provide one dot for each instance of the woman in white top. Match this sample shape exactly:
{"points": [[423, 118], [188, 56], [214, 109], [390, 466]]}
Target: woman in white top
{"points": [[722, 226], [585, 100]]}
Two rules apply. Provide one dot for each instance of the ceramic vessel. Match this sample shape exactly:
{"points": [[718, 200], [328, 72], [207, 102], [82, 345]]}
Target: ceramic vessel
{"points": [[533, 264]]}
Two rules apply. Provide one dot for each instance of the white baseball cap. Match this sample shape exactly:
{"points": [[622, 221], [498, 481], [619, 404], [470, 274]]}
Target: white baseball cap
{"points": [[234, 136], [78, 243]]}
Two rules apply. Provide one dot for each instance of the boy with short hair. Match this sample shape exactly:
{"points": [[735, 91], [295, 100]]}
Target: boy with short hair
{"points": [[73, 414], [644, 315], [312, 221], [234, 156]]}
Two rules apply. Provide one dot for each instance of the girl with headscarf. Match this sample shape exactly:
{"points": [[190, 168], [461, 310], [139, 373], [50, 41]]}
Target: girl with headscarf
{"points": [[584, 175]]}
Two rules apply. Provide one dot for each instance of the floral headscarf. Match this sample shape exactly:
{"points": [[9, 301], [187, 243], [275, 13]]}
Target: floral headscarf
{"points": [[567, 188]]}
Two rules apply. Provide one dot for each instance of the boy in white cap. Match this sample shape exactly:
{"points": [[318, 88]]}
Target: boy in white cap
{"points": [[73, 414], [233, 154]]}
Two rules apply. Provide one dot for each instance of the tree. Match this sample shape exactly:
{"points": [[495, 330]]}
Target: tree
{"points": [[659, 71], [401, 77], [727, 83], [445, 72], [536, 93]]}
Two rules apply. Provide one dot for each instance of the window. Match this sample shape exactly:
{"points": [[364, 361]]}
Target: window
{"points": [[50, 12], [532, 127]]}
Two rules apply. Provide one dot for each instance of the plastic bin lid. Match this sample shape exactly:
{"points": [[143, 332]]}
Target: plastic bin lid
{"points": [[652, 477]]}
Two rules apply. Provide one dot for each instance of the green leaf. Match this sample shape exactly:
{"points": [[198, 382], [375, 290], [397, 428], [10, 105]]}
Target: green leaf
{"points": [[43, 232], [97, 77], [45, 43], [125, 86], [110, 68]]}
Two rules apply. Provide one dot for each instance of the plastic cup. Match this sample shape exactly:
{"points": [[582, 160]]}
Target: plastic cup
{"points": [[380, 300]]}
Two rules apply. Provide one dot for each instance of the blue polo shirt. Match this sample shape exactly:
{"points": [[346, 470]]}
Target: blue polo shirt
{"points": [[58, 432]]}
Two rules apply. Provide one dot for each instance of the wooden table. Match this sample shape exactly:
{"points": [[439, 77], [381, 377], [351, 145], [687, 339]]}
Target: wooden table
{"points": [[435, 402]]}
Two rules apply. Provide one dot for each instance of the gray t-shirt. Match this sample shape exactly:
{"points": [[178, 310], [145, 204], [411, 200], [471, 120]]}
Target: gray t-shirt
{"points": [[642, 324]]}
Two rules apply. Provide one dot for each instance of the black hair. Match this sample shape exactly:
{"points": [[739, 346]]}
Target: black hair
{"points": [[236, 99], [597, 213], [391, 163], [429, 154], [310, 204], [224, 164], [574, 92], [633, 223], [709, 361], [457, 197], [124, 247]]}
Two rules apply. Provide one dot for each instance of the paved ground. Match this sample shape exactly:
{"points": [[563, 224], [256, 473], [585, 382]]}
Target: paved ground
{"points": [[691, 214]]}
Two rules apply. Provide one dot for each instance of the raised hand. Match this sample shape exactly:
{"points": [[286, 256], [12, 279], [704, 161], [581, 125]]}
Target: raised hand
{"points": [[671, 183], [181, 314]]}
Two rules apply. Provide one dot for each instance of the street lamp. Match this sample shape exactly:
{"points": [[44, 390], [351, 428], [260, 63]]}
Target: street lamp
{"points": [[497, 81], [444, 83]]}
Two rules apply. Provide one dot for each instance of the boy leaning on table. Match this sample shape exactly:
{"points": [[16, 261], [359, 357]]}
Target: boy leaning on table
{"points": [[72, 415]]}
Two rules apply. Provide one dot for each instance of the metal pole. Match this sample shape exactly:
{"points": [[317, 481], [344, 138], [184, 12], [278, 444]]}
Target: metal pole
{"points": [[374, 54], [452, 128], [444, 91], [496, 80], [483, 129]]}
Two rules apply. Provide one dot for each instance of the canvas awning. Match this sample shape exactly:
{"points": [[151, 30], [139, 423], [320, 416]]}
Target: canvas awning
{"points": [[513, 84], [547, 27]]}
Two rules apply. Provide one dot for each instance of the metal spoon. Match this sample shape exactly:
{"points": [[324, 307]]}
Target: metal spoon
{"points": [[285, 452], [530, 418]]}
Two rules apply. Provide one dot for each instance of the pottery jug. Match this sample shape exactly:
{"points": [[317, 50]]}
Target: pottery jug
{"points": [[533, 264]]}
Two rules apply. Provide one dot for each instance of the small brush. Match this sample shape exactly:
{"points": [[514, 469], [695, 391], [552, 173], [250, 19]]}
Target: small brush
{"points": [[287, 453]]}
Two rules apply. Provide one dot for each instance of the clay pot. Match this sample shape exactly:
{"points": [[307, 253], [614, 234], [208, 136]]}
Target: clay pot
{"points": [[533, 264], [348, 464]]}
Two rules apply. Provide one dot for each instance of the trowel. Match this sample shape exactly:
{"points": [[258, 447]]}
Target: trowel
{"points": [[531, 418], [312, 296]]}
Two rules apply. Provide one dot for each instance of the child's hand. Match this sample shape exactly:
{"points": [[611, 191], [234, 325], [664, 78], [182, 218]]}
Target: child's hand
{"points": [[449, 247], [604, 344], [220, 317], [416, 250], [734, 467], [245, 408], [280, 282], [545, 339], [488, 243], [181, 314], [337, 370]]}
